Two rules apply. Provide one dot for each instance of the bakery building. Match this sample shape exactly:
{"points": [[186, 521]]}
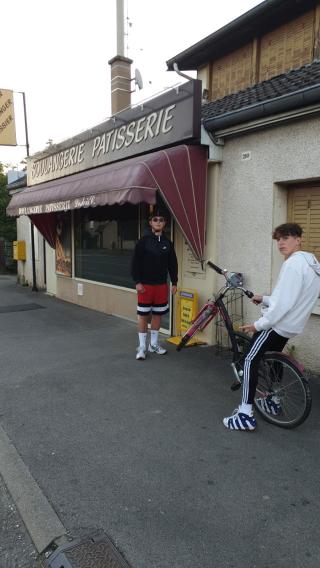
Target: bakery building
{"points": [[89, 198], [231, 155]]}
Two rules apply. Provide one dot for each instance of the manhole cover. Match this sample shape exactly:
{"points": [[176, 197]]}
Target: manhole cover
{"points": [[19, 308], [92, 552]]}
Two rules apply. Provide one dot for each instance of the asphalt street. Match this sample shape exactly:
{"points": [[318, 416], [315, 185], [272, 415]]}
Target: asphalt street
{"points": [[138, 450]]}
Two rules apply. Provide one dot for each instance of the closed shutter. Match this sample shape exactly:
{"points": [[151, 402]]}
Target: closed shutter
{"points": [[304, 208], [287, 47]]}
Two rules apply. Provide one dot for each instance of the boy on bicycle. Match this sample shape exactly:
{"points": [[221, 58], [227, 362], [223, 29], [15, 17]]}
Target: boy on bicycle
{"points": [[284, 315]]}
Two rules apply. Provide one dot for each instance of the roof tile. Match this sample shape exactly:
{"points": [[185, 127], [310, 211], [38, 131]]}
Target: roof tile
{"points": [[286, 83]]}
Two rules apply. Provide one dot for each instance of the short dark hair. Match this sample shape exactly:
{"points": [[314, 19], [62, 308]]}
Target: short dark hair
{"points": [[287, 230], [157, 212]]}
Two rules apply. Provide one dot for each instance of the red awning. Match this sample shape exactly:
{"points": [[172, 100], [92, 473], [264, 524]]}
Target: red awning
{"points": [[178, 173]]}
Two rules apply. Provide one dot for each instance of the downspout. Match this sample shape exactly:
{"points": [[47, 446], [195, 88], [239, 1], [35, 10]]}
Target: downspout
{"points": [[176, 69]]}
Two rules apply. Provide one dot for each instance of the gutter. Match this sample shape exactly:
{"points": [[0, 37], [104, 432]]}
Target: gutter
{"points": [[276, 105]]}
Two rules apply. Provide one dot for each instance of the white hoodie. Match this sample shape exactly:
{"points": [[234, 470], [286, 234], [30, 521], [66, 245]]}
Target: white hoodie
{"points": [[288, 308]]}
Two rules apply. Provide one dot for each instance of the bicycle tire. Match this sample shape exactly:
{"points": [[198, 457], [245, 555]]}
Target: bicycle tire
{"points": [[280, 377], [200, 322]]}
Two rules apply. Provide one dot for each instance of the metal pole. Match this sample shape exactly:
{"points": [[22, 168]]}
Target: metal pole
{"points": [[34, 276], [25, 122], [120, 28], [33, 260]]}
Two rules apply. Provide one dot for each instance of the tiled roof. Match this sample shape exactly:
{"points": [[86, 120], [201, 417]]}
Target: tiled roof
{"points": [[20, 182], [287, 83]]}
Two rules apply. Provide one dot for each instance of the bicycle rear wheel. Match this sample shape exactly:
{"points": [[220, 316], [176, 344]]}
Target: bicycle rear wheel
{"points": [[201, 321], [283, 385]]}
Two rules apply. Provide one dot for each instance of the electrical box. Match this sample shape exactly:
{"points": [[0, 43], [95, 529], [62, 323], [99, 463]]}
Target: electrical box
{"points": [[19, 250]]}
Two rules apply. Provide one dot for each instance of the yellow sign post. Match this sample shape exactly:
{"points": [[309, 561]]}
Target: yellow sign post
{"points": [[186, 311], [7, 120]]}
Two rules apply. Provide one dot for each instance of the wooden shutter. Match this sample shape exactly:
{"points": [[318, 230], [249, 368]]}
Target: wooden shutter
{"points": [[304, 208], [287, 47]]}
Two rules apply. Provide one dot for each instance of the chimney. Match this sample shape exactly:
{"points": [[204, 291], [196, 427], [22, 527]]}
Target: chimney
{"points": [[120, 83], [120, 69]]}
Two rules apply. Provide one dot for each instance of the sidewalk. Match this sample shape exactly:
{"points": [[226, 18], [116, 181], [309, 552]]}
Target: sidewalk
{"points": [[137, 449], [16, 548]]}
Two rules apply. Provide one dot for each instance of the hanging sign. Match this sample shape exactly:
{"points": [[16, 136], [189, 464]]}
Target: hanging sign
{"points": [[7, 120]]}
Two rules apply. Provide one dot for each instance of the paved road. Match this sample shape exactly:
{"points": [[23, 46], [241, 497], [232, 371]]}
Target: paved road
{"points": [[138, 450]]}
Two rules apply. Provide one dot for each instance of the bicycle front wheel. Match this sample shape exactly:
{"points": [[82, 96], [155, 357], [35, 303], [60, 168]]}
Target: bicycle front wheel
{"points": [[283, 395]]}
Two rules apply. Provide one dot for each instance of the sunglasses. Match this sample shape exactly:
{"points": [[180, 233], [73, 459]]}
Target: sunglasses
{"points": [[158, 219]]}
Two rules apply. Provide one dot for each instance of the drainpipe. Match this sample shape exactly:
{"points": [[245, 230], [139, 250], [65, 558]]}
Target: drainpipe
{"points": [[176, 69]]}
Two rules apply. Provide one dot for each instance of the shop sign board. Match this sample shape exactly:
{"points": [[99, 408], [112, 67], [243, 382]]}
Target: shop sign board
{"points": [[163, 121], [188, 303], [7, 119], [192, 268], [186, 311]]}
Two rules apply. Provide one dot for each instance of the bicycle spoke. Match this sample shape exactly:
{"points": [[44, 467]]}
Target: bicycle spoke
{"points": [[281, 382]]}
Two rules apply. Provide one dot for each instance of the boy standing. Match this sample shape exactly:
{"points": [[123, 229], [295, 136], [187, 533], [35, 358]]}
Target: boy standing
{"points": [[154, 257]]}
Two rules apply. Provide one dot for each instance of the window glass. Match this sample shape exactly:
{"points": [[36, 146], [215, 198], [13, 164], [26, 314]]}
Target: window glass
{"points": [[104, 241], [63, 244]]}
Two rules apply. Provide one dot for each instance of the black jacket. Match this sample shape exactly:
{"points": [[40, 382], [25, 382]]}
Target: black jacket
{"points": [[152, 259]]}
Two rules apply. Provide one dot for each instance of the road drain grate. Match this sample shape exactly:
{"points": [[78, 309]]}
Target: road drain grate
{"points": [[19, 308], [93, 552]]}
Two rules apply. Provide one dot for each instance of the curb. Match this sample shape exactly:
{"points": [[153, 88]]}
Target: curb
{"points": [[40, 519]]}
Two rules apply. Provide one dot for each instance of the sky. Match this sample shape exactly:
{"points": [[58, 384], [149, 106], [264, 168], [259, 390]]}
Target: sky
{"points": [[57, 53]]}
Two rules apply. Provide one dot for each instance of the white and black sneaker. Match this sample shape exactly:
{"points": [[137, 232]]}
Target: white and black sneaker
{"points": [[240, 421], [157, 349], [141, 354], [269, 404]]}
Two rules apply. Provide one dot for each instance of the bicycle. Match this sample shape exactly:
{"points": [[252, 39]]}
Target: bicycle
{"points": [[280, 375]]}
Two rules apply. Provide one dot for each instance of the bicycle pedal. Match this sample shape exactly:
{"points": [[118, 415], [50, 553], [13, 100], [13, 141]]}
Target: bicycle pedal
{"points": [[235, 386]]}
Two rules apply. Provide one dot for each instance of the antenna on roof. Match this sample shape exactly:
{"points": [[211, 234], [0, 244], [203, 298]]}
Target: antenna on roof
{"points": [[138, 79]]}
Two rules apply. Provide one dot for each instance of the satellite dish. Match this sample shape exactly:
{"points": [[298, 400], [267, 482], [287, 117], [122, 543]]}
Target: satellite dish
{"points": [[138, 79]]}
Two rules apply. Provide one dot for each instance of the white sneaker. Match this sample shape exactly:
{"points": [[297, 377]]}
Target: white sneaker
{"points": [[240, 421], [157, 349], [141, 354]]}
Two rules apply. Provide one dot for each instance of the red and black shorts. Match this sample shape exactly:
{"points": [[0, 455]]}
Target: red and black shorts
{"points": [[153, 300]]}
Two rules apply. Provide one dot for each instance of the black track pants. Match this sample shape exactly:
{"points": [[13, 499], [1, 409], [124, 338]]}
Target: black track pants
{"points": [[262, 341]]}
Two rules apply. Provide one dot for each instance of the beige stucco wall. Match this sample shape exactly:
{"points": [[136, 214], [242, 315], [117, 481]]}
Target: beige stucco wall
{"points": [[114, 301], [253, 200], [25, 267], [204, 284]]}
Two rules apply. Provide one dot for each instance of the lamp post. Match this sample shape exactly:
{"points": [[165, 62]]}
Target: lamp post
{"points": [[33, 260]]}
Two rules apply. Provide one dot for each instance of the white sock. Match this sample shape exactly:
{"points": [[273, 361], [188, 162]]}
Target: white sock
{"points": [[245, 408], [142, 340], [154, 337]]}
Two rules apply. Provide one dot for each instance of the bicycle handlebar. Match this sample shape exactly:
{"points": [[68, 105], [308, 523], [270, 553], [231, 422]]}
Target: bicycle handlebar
{"points": [[224, 272], [215, 267]]}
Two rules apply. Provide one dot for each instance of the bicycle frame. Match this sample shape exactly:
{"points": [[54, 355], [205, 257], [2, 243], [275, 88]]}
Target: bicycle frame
{"points": [[216, 306]]}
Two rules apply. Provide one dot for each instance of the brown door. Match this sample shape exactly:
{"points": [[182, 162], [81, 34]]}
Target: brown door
{"points": [[304, 208]]}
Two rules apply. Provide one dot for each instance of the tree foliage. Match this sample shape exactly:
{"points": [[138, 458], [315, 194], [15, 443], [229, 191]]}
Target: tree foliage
{"points": [[8, 226]]}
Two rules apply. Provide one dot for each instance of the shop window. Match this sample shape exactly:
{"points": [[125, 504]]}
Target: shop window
{"points": [[104, 241], [63, 244]]}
